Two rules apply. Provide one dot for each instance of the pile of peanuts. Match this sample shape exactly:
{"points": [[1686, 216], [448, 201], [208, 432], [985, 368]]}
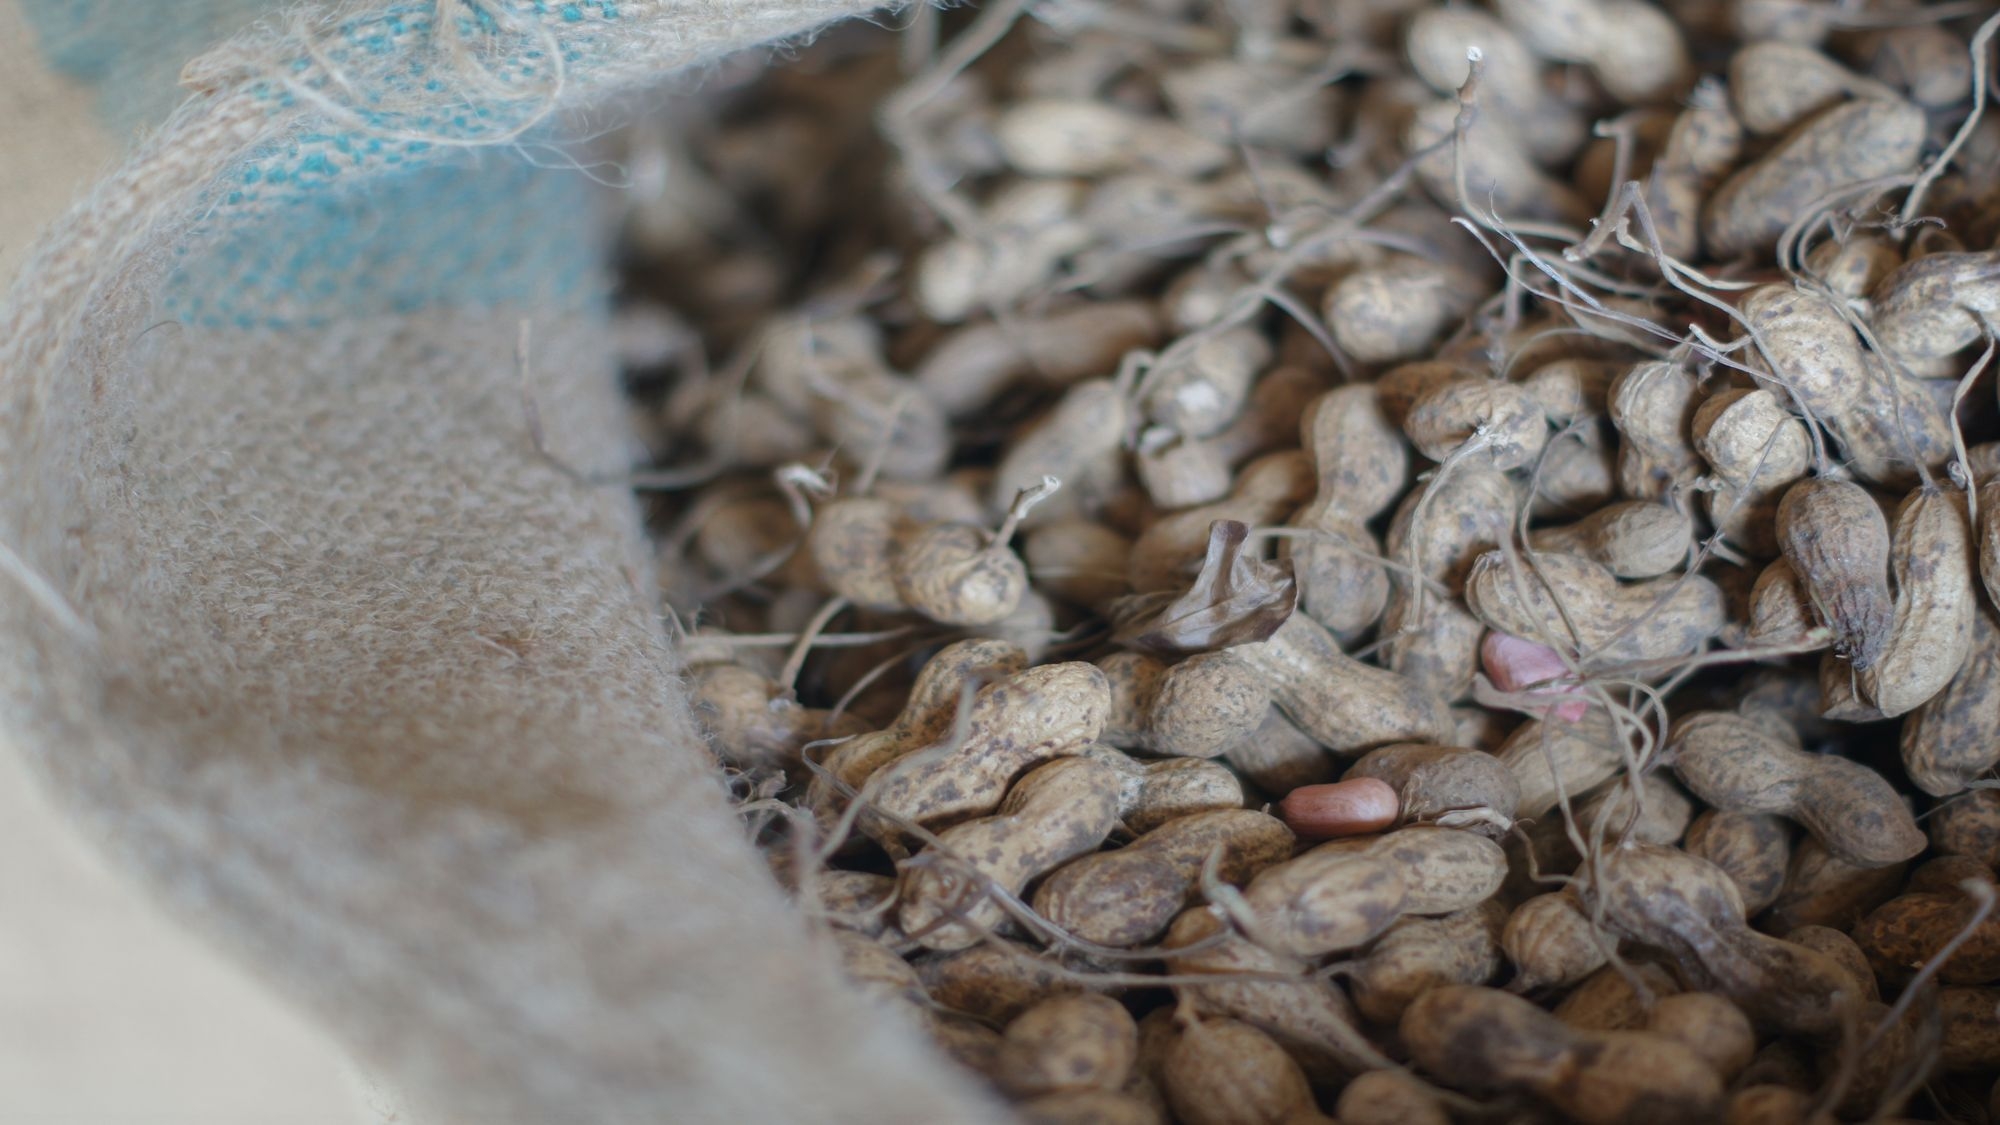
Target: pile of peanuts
{"points": [[1363, 560]]}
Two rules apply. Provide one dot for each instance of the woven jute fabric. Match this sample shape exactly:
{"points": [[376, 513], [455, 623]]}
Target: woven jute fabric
{"points": [[296, 618]]}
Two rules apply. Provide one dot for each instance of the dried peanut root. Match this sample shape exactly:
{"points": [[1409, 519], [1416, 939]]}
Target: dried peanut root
{"points": [[1378, 562]]}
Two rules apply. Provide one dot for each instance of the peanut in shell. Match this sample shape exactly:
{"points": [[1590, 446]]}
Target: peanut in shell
{"points": [[1130, 895], [1730, 763], [1837, 542]]}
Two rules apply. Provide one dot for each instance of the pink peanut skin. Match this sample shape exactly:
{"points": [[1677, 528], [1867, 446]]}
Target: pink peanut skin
{"points": [[1344, 808], [1515, 664]]}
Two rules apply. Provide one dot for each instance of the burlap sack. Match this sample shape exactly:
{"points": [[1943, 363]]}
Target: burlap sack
{"points": [[294, 617]]}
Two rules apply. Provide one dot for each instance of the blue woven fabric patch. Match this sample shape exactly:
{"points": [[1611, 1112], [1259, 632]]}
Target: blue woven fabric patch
{"points": [[393, 202], [479, 229]]}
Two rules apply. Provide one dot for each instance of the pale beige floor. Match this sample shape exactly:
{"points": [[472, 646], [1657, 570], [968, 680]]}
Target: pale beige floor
{"points": [[109, 1012]]}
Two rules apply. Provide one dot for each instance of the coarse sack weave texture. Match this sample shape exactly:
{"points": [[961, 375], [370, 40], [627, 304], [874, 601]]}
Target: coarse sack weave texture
{"points": [[293, 616]]}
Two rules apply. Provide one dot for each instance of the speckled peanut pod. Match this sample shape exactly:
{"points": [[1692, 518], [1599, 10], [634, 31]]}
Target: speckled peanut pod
{"points": [[1687, 909], [853, 543], [1151, 793], [1756, 448], [1636, 49], [752, 722], [1310, 1016], [1631, 539], [1927, 62], [1781, 612], [1883, 421], [1488, 1041], [1442, 869], [1418, 954], [1701, 148], [1169, 553], [1552, 759], [1932, 306], [1323, 901], [1206, 704], [1710, 1026], [1821, 889], [1971, 1040], [1607, 1000], [1650, 809], [1180, 472], [1843, 145], [1388, 1097], [1731, 763], [1854, 266], [1571, 387], [1954, 737], [856, 900], [1930, 631], [1398, 310], [1199, 388], [1753, 849], [1077, 443], [1227, 1072], [1775, 85], [1346, 705], [994, 981], [1047, 712], [1055, 813], [1279, 757], [964, 371], [1437, 532], [1134, 679], [1578, 472], [1361, 463], [1653, 406], [1968, 824], [1838, 544], [1445, 785], [1197, 708], [1129, 896], [1075, 1042], [1480, 422], [1613, 622], [1844, 950], [1551, 944], [1342, 582], [1904, 934], [955, 574]]}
